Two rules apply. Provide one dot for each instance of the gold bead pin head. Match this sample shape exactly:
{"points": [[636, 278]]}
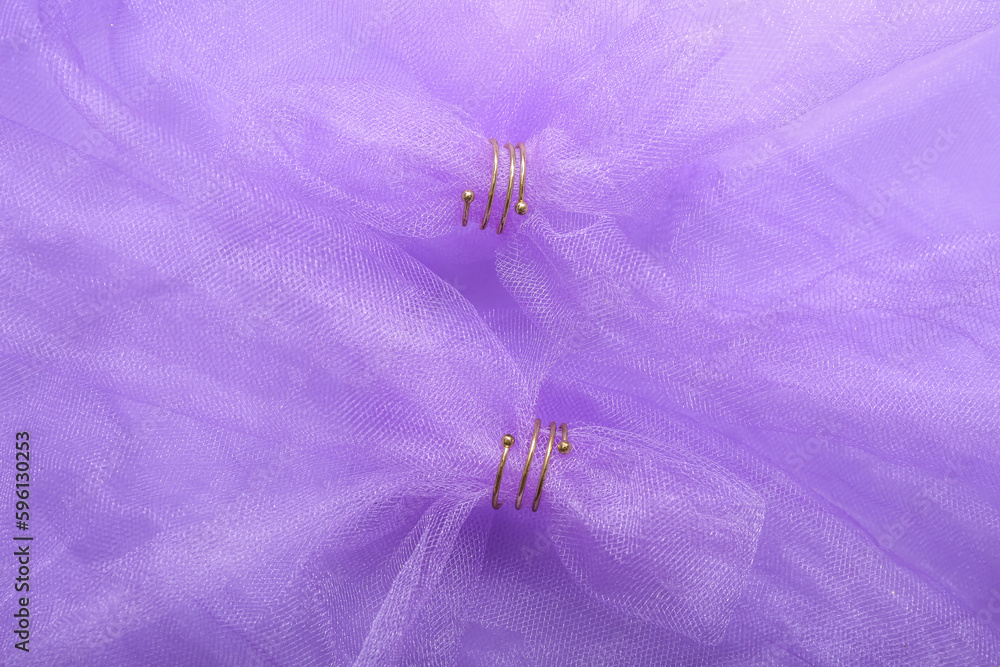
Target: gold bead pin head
{"points": [[521, 207], [508, 442], [468, 196], [563, 447]]}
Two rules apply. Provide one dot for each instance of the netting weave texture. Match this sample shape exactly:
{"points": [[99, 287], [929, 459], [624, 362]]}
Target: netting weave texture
{"points": [[266, 370]]}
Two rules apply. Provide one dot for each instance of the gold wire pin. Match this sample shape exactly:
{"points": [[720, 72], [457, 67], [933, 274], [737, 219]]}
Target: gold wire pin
{"points": [[564, 447], [508, 440], [521, 207]]}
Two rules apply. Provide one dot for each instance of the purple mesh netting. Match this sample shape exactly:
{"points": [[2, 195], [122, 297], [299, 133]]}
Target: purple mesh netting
{"points": [[266, 371]]}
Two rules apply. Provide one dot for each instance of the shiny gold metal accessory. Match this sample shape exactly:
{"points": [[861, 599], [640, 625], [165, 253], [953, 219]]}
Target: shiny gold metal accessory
{"points": [[468, 196], [564, 447]]}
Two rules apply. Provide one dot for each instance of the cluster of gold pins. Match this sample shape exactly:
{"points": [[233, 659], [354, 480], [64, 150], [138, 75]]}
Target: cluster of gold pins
{"points": [[508, 441], [468, 196]]}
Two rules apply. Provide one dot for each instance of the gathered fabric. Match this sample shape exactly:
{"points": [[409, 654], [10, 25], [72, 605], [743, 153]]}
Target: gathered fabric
{"points": [[266, 370]]}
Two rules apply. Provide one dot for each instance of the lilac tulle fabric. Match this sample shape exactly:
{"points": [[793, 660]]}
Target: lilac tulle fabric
{"points": [[266, 371]]}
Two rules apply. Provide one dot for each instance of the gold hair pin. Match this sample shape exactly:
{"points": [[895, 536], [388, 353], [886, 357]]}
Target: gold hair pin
{"points": [[468, 196], [508, 440]]}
